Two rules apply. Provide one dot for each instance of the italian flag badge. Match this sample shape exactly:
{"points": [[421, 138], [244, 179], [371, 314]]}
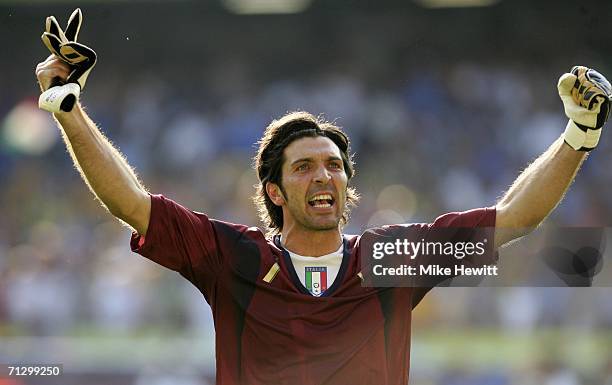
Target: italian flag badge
{"points": [[316, 280]]}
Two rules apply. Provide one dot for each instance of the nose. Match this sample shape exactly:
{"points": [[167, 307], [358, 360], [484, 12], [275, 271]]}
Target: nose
{"points": [[322, 175]]}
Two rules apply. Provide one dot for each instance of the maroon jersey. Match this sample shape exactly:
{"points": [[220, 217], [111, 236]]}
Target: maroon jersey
{"points": [[275, 332]]}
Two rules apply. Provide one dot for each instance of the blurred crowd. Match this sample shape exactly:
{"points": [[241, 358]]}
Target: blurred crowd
{"points": [[429, 136]]}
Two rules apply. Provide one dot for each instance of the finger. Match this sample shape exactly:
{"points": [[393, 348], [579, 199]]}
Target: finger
{"points": [[57, 68], [44, 62], [604, 108], [45, 75], [83, 67], [53, 44], [53, 28], [579, 70], [566, 83], [599, 81], [53, 65], [74, 25], [594, 100], [76, 53], [49, 77]]}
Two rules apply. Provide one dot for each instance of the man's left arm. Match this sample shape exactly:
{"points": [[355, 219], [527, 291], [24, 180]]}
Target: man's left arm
{"points": [[537, 191], [540, 187]]}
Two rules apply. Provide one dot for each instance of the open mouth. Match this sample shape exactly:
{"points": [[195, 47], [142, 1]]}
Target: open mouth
{"points": [[321, 201]]}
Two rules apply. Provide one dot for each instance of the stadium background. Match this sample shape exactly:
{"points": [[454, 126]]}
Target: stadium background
{"points": [[444, 107]]}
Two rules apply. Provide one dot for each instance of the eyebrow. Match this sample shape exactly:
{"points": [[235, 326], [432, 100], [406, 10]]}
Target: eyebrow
{"points": [[332, 157]]}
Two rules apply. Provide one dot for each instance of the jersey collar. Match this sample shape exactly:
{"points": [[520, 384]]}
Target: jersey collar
{"points": [[296, 280]]}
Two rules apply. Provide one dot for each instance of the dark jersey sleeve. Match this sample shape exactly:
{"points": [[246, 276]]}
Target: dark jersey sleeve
{"points": [[466, 226], [482, 217], [475, 225], [182, 240]]}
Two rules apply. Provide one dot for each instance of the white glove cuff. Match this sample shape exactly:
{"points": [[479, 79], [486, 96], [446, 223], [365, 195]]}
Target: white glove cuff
{"points": [[59, 98], [579, 139]]}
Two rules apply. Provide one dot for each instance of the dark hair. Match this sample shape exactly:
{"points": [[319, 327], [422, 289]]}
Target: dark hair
{"points": [[270, 157]]}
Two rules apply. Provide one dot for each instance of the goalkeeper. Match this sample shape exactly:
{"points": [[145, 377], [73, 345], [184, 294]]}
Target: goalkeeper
{"points": [[290, 309]]}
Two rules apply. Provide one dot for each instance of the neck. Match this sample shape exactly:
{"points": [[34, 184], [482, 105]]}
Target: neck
{"points": [[312, 243]]}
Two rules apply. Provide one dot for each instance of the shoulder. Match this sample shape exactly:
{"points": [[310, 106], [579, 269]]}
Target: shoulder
{"points": [[394, 230], [479, 217], [170, 213]]}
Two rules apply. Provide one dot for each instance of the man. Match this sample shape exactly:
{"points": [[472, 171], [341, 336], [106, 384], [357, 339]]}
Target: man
{"points": [[291, 308]]}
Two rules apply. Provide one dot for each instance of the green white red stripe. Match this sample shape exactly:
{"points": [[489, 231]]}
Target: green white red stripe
{"points": [[316, 279]]}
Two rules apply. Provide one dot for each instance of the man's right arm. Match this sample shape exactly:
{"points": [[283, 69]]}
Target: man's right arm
{"points": [[101, 165]]}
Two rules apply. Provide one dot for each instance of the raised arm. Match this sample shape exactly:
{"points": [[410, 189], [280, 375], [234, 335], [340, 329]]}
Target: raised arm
{"points": [[537, 191], [541, 186], [101, 165]]}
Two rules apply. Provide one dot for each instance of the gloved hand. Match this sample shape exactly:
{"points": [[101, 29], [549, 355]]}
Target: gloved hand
{"points": [[586, 96], [63, 94]]}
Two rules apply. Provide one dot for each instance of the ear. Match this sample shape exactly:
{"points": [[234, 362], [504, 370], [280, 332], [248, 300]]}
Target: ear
{"points": [[275, 194]]}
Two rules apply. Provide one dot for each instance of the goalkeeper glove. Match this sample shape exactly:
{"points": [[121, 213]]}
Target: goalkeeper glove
{"points": [[61, 96], [586, 96]]}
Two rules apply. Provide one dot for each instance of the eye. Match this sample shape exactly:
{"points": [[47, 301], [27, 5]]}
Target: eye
{"points": [[335, 165], [302, 167]]}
